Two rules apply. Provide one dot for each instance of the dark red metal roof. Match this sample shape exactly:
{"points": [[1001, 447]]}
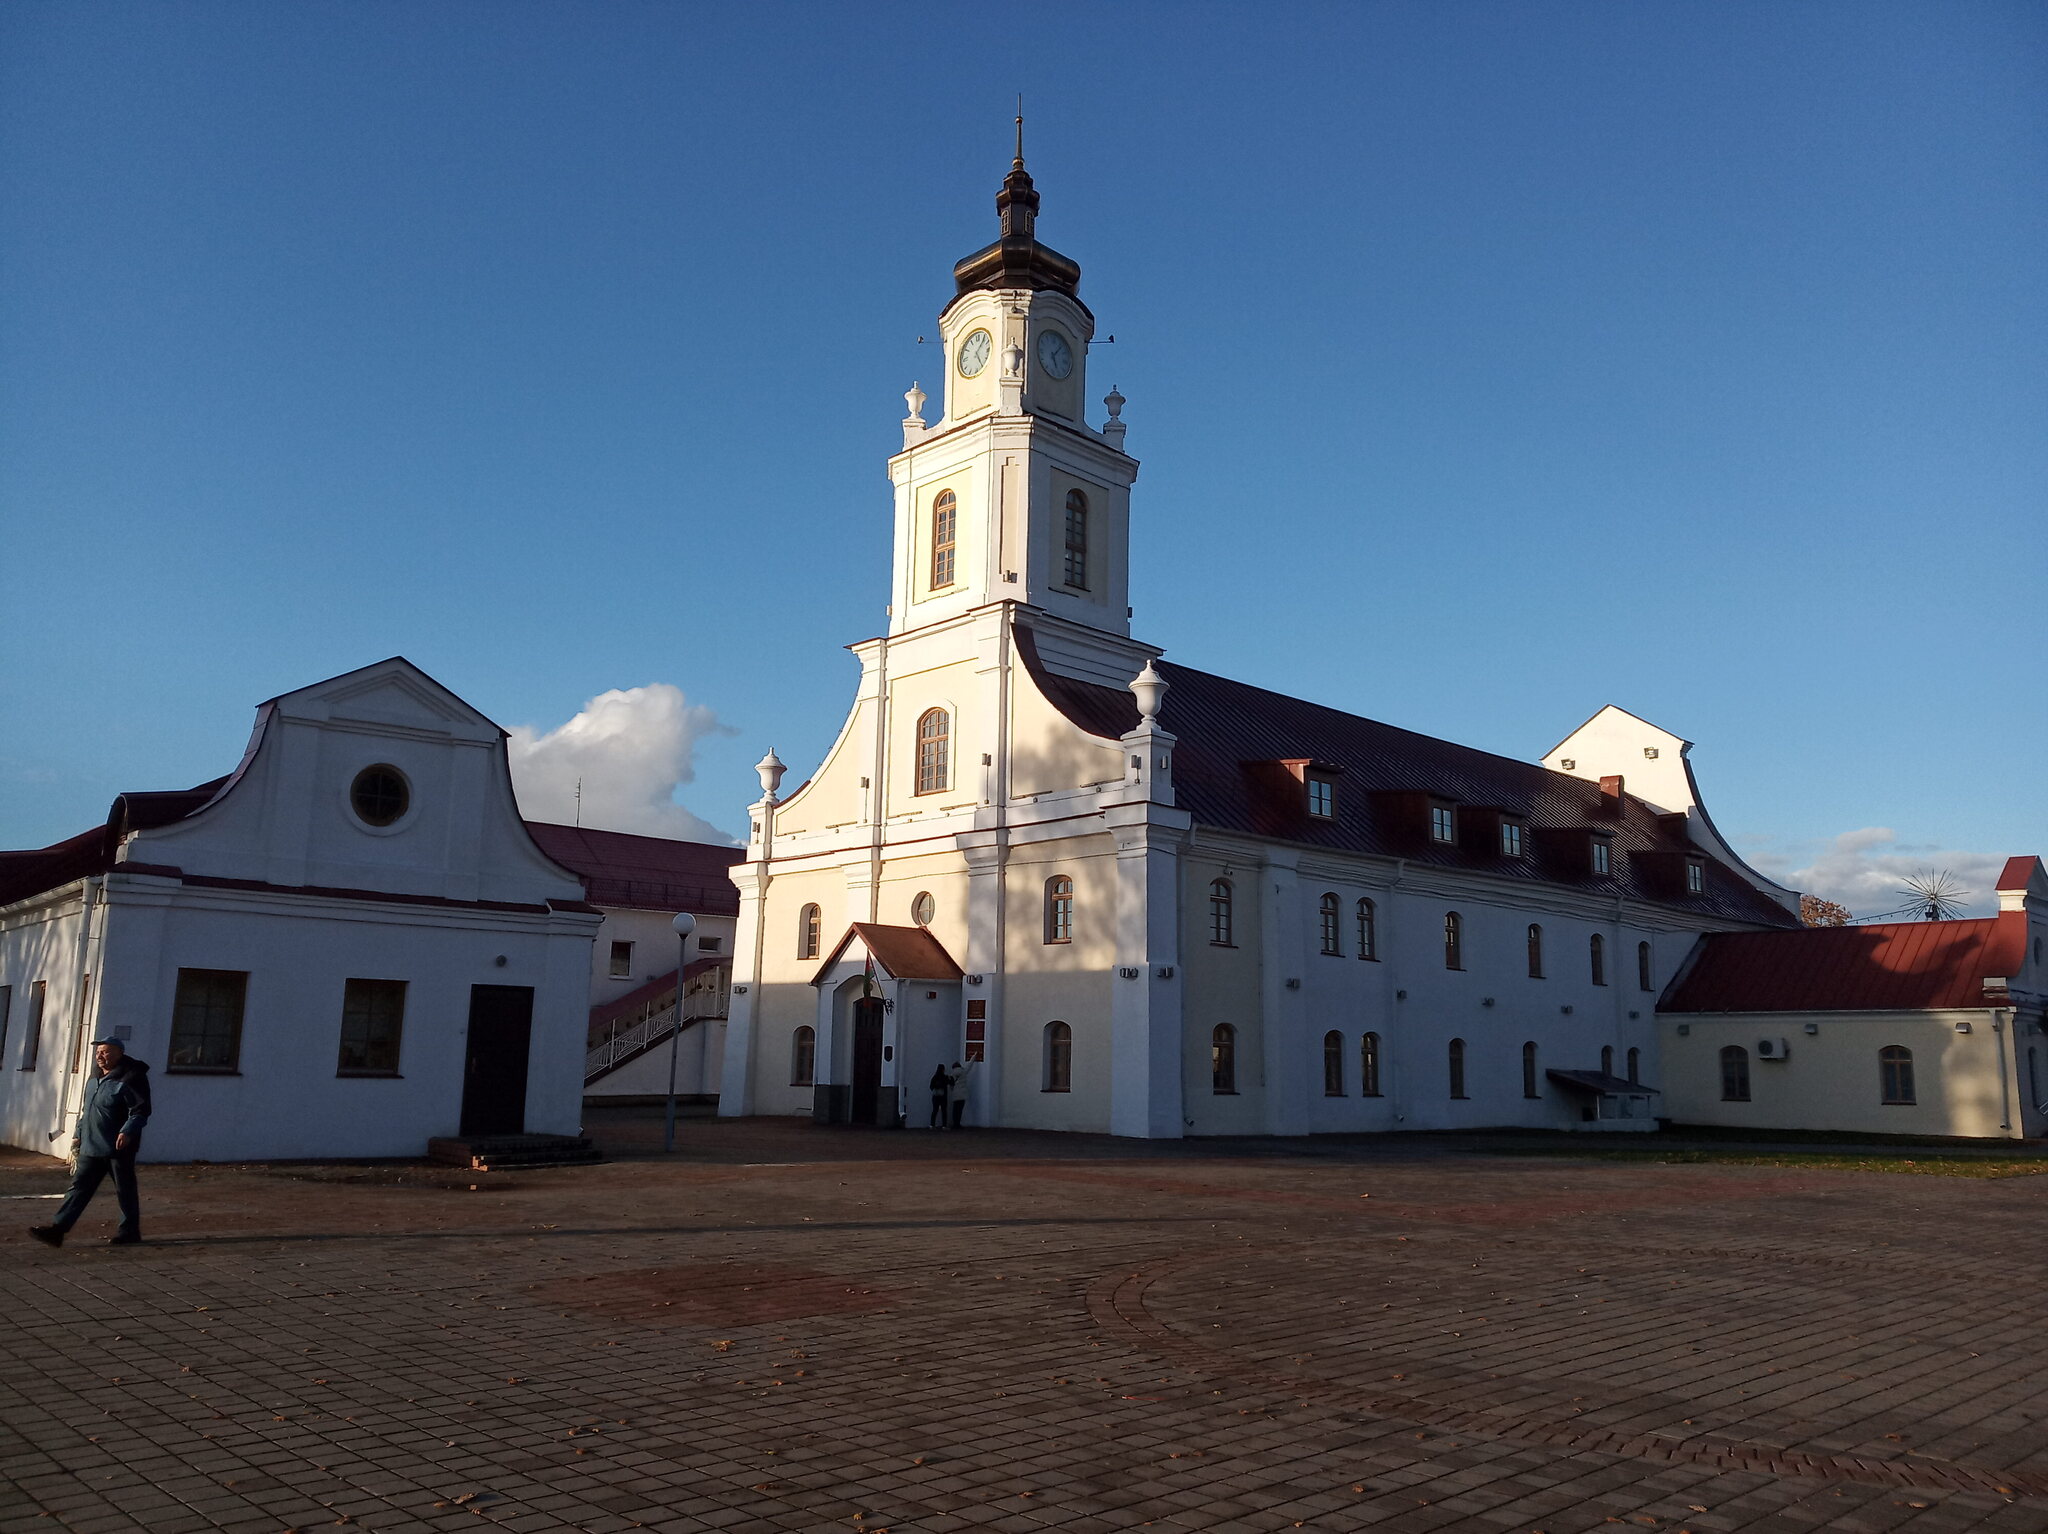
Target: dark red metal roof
{"points": [[661, 985], [907, 953], [2017, 874], [1888, 967], [36, 870], [1230, 772], [646, 873]]}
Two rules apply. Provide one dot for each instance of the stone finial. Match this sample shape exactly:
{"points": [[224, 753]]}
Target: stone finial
{"points": [[771, 769], [914, 397], [1113, 428], [1149, 687], [1013, 359]]}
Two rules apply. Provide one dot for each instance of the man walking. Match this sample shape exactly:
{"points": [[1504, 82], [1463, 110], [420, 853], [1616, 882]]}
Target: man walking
{"points": [[108, 1136]]}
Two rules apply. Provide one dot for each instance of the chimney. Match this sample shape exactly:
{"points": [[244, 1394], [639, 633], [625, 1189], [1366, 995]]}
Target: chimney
{"points": [[1610, 788]]}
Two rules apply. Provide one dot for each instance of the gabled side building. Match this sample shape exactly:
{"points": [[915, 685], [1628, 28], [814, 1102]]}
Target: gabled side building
{"points": [[1916, 1028], [345, 947]]}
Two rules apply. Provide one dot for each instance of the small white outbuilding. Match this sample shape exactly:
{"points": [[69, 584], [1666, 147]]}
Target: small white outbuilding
{"points": [[347, 946]]}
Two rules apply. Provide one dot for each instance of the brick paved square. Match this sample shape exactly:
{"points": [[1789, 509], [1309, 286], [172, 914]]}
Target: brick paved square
{"points": [[789, 1328]]}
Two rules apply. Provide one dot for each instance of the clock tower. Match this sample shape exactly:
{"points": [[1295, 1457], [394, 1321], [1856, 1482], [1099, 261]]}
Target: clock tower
{"points": [[1010, 495]]}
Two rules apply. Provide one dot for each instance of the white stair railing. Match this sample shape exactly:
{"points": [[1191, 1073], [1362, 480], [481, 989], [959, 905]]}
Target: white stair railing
{"points": [[634, 1033]]}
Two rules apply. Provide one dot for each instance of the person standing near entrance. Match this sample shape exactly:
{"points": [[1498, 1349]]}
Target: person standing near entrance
{"points": [[941, 1084], [956, 1086], [107, 1139]]}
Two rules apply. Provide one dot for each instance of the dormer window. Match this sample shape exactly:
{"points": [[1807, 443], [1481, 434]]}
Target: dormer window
{"points": [[1510, 839], [1443, 823], [1603, 856], [1695, 877], [1322, 798]]}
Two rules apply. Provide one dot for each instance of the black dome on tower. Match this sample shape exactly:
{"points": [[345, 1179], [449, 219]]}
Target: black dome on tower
{"points": [[1017, 259]]}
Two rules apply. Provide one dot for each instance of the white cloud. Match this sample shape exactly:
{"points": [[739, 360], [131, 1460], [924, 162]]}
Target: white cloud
{"points": [[631, 748], [1866, 870]]}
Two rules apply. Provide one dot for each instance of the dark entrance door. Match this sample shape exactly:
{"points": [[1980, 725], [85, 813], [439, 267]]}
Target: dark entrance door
{"points": [[494, 1065], [867, 1061]]}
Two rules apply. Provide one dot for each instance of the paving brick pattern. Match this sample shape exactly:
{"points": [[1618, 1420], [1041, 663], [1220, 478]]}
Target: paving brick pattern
{"points": [[786, 1328]]}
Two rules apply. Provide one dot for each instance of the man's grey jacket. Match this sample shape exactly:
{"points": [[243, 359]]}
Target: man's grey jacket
{"points": [[115, 1104]]}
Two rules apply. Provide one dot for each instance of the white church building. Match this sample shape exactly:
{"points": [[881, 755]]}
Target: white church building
{"points": [[347, 946], [1138, 898]]}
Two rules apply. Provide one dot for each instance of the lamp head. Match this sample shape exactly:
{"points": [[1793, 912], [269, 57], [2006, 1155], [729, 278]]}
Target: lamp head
{"points": [[685, 924]]}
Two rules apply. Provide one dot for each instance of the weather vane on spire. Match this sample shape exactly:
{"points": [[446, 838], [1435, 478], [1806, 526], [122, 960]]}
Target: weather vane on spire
{"points": [[1020, 128]]}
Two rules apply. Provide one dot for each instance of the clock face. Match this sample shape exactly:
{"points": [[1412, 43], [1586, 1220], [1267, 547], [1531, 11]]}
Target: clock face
{"points": [[974, 353], [1054, 355]]}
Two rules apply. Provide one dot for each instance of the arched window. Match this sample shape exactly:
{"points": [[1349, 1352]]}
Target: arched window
{"points": [[807, 933], [1635, 1067], [1369, 1066], [1219, 913], [1059, 1058], [1333, 1064], [934, 750], [1223, 1060], [1529, 1070], [1059, 909], [1332, 939], [1077, 540], [1643, 976], [1457, 1068], [1368, 930], [1607, 1059], [1734, 1074], [1895, 1065], [1454, 940], [803, 1056], [1535, 952], [1597, 951], [923, 908], [945, 524]]}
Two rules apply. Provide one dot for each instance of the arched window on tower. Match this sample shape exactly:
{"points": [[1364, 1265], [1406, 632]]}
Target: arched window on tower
{"points": [[803, 1056], [1454, 940], [1332, 938], [1223, 1060], [807, 924], [1457, 1064], [1059, 909], [1529, 1070], [1220, 919], [1368, 930], [945, 528], [1077, 540], [1333, 1064], [934, 751], [1607, 1059], [1059, 1058], [1369, 1066], [1597, 952], [1535, 952]]}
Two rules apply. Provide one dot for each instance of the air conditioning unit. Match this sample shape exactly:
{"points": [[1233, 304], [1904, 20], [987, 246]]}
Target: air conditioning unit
{"points": [[1773, 1049]]}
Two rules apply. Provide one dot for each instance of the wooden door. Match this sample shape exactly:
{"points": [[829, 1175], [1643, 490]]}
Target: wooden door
{"points": [[867, 1061], [494, 1065]]}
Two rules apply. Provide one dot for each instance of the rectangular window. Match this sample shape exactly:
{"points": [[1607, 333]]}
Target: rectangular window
{"points": [[1510, 839], [1322, 798], [372, 1020], [709, 944], [1695, 878], [1603, 857], [32, 1046], [206, 1020], [1443, 823], [622, 961], [977, 1030]]}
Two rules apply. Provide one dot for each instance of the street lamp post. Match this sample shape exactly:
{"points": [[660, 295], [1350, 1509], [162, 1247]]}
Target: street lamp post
{"points": [[686, 927]]}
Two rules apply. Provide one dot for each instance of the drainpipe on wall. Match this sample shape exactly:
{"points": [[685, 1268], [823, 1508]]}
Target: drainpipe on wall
{"points": [[1392, 1076], [72, 1095], [2000, 1033]]}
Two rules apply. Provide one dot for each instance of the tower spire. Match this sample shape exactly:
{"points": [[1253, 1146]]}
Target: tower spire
{"points": [[1020, 131], [1016, 259]]}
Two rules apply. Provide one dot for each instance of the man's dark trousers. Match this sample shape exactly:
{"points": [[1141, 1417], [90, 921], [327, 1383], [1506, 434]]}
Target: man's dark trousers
{"points": [[85, 1182]]}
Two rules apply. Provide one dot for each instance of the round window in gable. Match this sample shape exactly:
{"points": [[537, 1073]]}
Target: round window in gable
{"points": [[921, 909], [380, 796]]}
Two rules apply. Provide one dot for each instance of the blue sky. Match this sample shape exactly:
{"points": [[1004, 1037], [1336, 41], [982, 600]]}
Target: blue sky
{"points": [[1487, 363]]}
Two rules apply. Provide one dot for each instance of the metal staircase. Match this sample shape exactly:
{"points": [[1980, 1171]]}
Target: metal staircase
{"points": [[624, 1030]]}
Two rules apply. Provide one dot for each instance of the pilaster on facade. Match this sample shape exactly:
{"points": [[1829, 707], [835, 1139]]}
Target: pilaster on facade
{"points": [[1147, 1089], [987, 859], [1283, 1049], [736, 1067]]}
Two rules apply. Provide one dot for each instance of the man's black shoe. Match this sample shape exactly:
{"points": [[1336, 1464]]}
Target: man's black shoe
{"points": [[49, 1235], [124, 1241]]}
